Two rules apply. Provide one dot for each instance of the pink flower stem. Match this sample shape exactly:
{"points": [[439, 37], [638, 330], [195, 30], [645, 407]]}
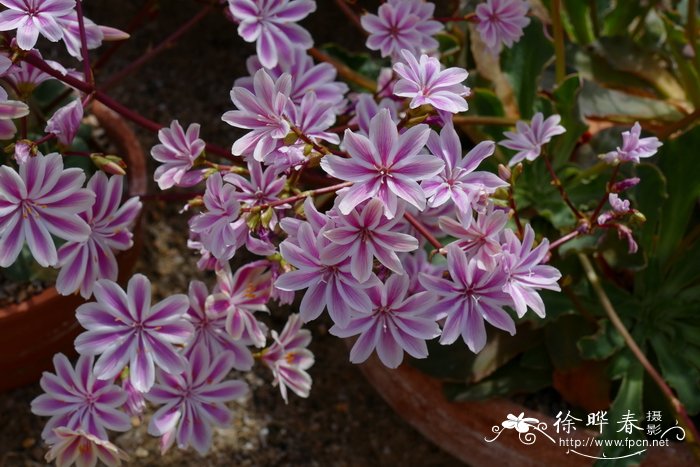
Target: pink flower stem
{"points": [[87, 71], [350, 14], [454, 19], [601, 203], [423, 231], [684, 418], [116, 106], [557, 183], [343, 70], [300, 196], [168, 42], [148, 11], [560, 241], [514, 208]]}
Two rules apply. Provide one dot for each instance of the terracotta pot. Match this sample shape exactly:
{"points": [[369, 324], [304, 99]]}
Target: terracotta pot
{"points": [[31, 332], [460, 428]]}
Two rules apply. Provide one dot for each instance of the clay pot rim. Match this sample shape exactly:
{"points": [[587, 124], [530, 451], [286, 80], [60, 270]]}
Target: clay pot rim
{"points": [[124, 137], [470, 422]]}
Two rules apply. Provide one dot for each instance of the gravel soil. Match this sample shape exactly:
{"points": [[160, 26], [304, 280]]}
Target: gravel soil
{"points": [[344, 422]]}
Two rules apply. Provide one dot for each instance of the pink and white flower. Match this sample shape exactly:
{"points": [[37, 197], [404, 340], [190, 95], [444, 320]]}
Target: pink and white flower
{"points": [[272, 25], [425, 82], [365, 235], [263, 111], [33, 17], [633, 147], [470, 297], [386, 165], [459, 181], [65, 122], [83, 449], [395, 323], [501, 22], [194, 400], [75, 399], [41, 200], [529, 139], [83, 263], [177, 152], [288, 358], [123, 328]]}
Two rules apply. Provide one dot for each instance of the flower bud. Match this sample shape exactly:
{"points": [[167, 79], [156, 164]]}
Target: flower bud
{"points": [[266, 217], [624, 185], [504, 173], [113, 165], [291, 138]]}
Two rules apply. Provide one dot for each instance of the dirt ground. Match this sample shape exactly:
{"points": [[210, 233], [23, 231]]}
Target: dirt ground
{"points": [[344, 422]]}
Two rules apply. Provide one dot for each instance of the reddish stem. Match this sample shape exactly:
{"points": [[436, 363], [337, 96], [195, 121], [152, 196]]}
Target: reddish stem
{"points": [[300, 196], [87, 71], [116, 106], [560, 241], [557, 183], [422, 230], [169, 41], [601, 203], [350, 14], [147, 11]]}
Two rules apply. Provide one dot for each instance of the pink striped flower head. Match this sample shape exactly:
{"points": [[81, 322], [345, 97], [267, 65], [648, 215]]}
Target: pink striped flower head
{"points": [[402, 24], [83, 449], [76, 400], [110, 221], [220, 229], [386, 165], [238, 296], [262, 187], [210, 329], [459, 181], [65, 122], [271, 24], [307, 77], [329, 281], [194, 401], [528, 140], [94, 33], [33, 17], [425, 82], [471, 296], [123, 328], [633, 147], [288, 358], [9, 110], [177, 152], [480, 237], [525, 273], [263, 111], [501, 22], [365, 234], [41, 200], [395, 323]]}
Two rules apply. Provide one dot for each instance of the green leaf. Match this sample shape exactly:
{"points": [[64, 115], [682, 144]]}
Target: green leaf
{"points": [[650, 195], [517, 377], [681, 375], [578, 20], [609, 104], [623, 55], [679, 164], [561, 337], [566, 102], [621, 17], [603, 344], [523, 65], [627, 402]]}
